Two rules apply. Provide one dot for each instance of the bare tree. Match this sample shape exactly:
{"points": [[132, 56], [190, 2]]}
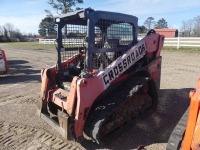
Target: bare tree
{"points": [[191, 27], [187, 27], [1, 30], [196, 29], [8, 33], [1, 34], [10, 30], [149, 22], [9, 27]]}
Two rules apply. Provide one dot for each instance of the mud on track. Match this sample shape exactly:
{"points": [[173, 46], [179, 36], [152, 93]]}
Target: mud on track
{"points": [[21, 128]]}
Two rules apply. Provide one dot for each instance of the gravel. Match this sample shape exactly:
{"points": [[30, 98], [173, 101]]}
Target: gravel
{"points": [[21, 128]]}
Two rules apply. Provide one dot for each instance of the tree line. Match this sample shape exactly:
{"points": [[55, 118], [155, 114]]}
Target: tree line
{"points": [[188, 28], [150, 23], [8, 33], [47, 26], [191, 27]]}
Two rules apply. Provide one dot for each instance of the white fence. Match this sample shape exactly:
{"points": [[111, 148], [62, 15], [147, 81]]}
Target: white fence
{"points": [[172, 42], [46, 41], [65, 41], [182, 42]]}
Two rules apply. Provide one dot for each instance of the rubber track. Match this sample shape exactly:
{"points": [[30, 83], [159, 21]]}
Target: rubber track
{"points": [[177, 135], [104, 107]]}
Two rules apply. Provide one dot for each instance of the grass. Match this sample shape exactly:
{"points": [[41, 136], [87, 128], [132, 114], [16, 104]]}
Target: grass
{"points": [[32, 45], [37, 46], [182, 49]]}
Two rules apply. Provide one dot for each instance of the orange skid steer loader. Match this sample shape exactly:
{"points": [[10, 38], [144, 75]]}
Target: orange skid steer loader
{"points": [[3, 63], [186, 134], [104, 80]]}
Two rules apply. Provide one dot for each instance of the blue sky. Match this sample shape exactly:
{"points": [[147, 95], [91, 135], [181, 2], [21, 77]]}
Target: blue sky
{"points": [[27, 14]]}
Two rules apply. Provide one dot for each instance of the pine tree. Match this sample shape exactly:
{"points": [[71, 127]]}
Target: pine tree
{"points": [[64, 6], [161, 23]]}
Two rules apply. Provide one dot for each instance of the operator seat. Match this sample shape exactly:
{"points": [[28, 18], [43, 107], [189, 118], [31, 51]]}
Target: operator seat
{"points": [[107, 58], [111, 43]]}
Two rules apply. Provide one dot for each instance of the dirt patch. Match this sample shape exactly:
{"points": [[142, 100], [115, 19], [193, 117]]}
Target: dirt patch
{"points": [[21, 128]]}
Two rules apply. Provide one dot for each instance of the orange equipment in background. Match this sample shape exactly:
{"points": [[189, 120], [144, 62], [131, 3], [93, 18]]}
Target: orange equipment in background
{"points": [[192, 134], [3, 63], [186, 134]]}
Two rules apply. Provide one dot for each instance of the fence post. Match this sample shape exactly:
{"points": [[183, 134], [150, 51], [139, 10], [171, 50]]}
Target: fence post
{"points": [[178, 43]]}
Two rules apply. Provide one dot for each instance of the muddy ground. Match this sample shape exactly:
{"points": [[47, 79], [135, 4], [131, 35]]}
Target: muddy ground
{"points": [[21, 128]]}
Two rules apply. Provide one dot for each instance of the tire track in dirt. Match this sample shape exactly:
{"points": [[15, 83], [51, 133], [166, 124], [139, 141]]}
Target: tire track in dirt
{"points": [[15, 136], [174, 64], [18, 96], [182, 68], [179, 73], [21, 96], [3, 87], [39, 61], [19, 99]]}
